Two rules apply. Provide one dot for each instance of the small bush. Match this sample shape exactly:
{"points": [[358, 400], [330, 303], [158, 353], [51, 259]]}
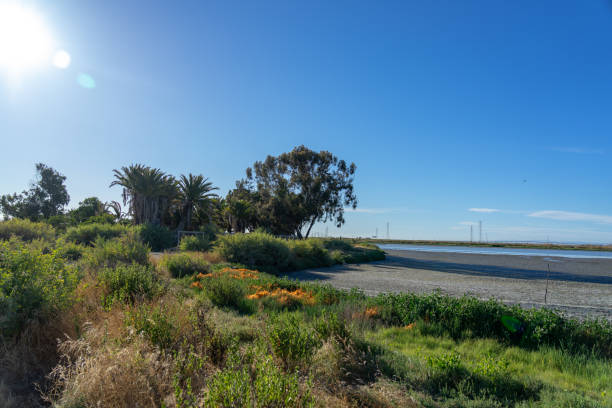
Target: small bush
{"points": [[230, 388], [128, 283], [32, 286], [180, 265], [256, 250], [291, 341], [275, 389], [194, 243], [69, 250], [225, 291], [157, 237], [329, 325], [127, 249], [26, 230], [87, 234], [270, 388], [309, 254], [154, 324]]}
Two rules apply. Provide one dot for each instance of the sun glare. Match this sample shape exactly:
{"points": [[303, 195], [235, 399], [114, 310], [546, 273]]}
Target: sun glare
{"points": [[25, 42]]}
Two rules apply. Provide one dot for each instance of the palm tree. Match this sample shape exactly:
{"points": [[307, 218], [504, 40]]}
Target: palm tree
{"points": [[115, 207], [147, 191], [195, 193]]}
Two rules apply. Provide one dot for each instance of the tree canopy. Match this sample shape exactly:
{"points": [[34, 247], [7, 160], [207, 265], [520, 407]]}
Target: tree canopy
{"points": [[46, 197], [295, 190]]}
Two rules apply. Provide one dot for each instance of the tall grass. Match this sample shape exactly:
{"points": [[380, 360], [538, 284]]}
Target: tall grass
{"points": [[470, 317]]}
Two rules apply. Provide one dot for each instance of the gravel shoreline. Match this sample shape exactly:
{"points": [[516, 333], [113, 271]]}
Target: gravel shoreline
{"points": [[577, 287]]}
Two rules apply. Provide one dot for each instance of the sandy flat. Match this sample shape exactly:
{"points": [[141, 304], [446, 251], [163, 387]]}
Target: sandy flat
{"points": [[577, 287]]}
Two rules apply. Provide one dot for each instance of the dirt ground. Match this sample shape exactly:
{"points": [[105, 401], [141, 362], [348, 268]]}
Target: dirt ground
{"points": [[576, 287]]}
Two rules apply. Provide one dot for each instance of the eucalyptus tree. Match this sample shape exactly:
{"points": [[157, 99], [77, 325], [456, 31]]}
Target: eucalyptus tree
{"points": [[299, 188], [194, 195], [147, 191]]}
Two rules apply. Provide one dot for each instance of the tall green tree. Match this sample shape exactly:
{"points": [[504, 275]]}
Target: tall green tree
{"points": [[88, 208], [299, 188], [147, 192], [195, 193], [46, 197], [239, 211]]}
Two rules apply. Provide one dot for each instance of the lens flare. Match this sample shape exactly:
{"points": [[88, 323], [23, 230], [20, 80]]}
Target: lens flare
{"points": [[86, 81], [61, 59]]}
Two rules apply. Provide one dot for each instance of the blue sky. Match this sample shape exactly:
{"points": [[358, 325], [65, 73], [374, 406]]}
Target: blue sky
{"points": [[454, 112]]}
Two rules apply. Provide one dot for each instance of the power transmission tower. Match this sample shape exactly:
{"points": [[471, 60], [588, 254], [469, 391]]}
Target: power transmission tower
{"points": [[479, 231], [388, 230], [471, 233], [376, 236]]}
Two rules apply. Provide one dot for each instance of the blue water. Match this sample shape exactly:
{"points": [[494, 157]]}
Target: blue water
{"points": [[499, 251]]}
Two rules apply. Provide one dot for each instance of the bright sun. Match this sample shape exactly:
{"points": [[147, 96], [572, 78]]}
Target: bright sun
{"points": [[25, 42]]}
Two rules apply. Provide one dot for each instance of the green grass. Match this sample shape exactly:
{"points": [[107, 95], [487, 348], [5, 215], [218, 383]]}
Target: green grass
{"points": [[558, 371]]}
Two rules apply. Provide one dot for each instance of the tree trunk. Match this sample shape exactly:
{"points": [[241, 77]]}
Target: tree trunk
{"points": [[310, 227]]}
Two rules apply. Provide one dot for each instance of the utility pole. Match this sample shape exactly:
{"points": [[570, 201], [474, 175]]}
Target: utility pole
{"points": [[479, 231]]}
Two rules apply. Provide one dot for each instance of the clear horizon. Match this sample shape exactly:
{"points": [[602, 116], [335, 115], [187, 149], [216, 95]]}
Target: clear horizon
{"points": [[453, 113]]}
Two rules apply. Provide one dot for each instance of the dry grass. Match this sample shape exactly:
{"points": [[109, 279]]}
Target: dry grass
{"points": [[96, 372], [25, 361]]}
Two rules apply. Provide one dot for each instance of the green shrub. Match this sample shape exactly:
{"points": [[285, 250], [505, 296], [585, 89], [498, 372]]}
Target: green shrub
{"points": [[69, 250], [128, 283], [26, 230], [87, 234], [126, 249], [265, 252], [32, 286], [256, 250], [157, 237], [224, 291], [180, 265], [337, 245], [210, 231], [329, 325], [60, 222], [271, 388], [309, 253], [229, 388], [275, 389], [154, 324], [194, 243], [292, 341]]}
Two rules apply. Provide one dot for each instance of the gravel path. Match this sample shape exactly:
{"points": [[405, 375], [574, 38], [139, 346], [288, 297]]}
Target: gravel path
{"points": [[577, 287]]}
